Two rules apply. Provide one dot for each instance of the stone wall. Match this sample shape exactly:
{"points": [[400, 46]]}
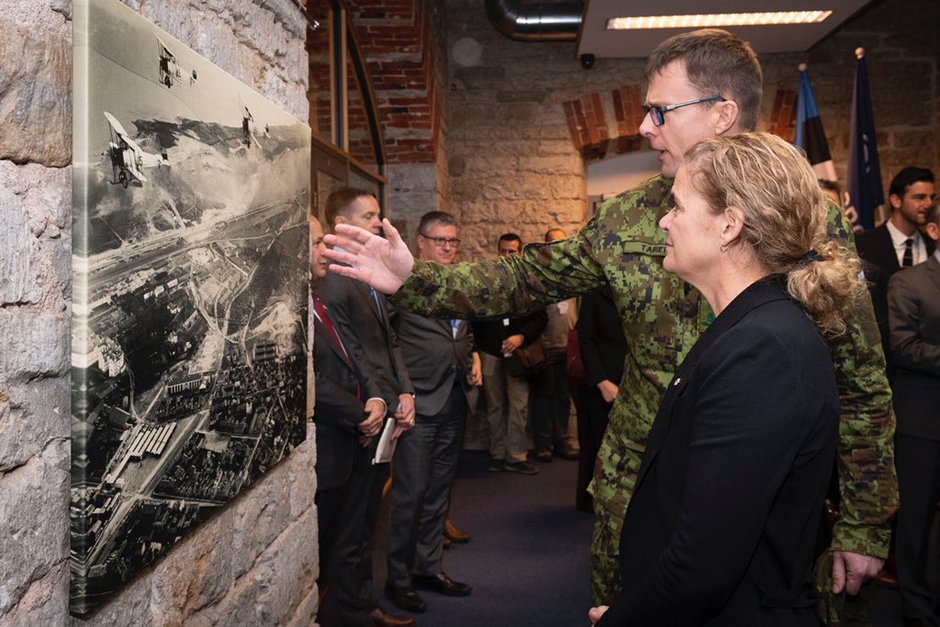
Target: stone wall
{"points": [[255, 562], [511, 161], [513, 165]]}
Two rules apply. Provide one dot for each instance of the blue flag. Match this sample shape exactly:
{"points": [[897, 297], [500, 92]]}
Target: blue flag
{"points": [[865, 191], [810, 135]]}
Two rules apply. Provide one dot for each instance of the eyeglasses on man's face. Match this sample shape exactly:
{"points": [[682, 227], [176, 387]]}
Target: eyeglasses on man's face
{"points": [[658, 112], [440, 242]]}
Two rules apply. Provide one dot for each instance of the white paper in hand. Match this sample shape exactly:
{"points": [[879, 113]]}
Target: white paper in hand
{"points": [[386, 447]]}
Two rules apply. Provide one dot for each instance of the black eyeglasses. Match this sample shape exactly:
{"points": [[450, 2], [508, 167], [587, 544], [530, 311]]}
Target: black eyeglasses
{"points": [[440, 242], [658, 113]]}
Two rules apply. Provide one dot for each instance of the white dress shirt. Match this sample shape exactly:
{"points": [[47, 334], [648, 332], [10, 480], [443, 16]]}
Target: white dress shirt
{"points": [[898, 239]]}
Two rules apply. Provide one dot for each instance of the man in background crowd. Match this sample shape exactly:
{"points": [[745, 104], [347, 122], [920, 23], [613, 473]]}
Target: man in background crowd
{"points": [[897, 243], [914, 327], [443, 367], [349, 414], [505, 386], [551, 400], [361, 315]]}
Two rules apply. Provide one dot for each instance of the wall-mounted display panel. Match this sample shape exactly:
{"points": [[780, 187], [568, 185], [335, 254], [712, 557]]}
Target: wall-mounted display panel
{"points": [[190, 291]]}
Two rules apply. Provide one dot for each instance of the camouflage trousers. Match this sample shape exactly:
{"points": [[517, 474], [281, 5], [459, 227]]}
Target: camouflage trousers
{"points": [[608, 523]]}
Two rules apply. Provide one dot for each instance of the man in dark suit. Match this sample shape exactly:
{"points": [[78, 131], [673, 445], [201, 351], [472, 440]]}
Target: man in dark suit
{"points": [[603, 349], [914, 327], [348, 406], [443, 367], [362, 317], [897, 243]]}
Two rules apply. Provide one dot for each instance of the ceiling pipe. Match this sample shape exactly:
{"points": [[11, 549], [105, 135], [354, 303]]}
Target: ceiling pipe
{"points": [[536, 21]]}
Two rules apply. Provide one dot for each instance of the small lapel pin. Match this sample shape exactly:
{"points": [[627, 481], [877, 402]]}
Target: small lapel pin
{"points": [[677, 381]]}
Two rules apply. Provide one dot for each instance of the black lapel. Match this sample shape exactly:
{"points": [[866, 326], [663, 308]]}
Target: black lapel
{"points": [[763, 291], [366, 293], [888, 252]]}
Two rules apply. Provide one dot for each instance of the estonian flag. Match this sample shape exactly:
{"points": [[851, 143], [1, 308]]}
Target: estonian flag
{"points": [[809, 130], [865, 191]]}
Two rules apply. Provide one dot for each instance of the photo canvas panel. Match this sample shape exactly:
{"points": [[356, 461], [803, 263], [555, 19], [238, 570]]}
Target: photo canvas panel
{"points": [[190, 293]]}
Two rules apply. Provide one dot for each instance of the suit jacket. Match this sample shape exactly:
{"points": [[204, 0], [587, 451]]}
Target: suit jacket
{"points": [[367, 332], [880, 262], [341, 391], [875, 246], [722, 525], [435, 357], [914, 321], [600, 336]]}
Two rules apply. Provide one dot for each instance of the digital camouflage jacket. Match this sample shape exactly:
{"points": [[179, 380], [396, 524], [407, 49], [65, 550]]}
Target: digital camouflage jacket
{"points": [[662, 318]]}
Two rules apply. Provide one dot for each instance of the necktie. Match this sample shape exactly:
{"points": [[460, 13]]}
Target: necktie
{"points": [[320, 312], [378, 305], [908, 260]]}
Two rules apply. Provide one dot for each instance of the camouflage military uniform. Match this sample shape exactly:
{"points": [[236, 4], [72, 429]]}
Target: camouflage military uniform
{"points": [[662, 318]]}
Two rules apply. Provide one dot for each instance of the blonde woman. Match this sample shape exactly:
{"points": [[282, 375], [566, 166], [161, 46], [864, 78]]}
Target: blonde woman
{"points": [[721, 528]]}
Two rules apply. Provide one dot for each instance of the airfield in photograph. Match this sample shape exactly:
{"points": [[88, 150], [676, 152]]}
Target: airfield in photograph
{"points": [[190, 266]]}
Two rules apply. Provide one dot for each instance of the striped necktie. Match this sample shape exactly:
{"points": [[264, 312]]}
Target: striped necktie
{"points": [[908, 260]]}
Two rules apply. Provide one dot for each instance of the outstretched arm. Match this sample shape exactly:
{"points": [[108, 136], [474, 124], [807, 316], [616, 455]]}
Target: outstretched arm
{"points": [[382, 263]]}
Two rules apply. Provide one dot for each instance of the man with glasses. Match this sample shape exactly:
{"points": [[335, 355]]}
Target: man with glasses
{"points": [[444, 369], [716, 79]]}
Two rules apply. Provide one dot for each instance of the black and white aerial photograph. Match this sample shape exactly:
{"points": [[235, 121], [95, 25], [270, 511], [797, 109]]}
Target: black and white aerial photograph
{"points": [[190, 270]]}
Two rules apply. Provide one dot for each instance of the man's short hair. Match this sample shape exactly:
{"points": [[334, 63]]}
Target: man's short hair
{"points": [[509, 237], [830, 186], [717, 63], [548, 234], [338, 202], [907, 177], [435, 217]]}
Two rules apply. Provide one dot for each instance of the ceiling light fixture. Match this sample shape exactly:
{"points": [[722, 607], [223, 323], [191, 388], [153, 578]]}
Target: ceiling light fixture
{"points": [[765, 18]]}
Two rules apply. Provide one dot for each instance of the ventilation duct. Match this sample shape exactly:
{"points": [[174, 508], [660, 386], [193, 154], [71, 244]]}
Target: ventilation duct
{"points": [[536, 21]]}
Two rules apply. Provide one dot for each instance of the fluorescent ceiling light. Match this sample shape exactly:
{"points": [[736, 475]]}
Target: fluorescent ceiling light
{"points": [[765, 18]]}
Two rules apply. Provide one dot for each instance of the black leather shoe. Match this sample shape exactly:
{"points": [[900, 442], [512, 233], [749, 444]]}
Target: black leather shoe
{"points": [[405, 599], [442, 584], [381, 618]]}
